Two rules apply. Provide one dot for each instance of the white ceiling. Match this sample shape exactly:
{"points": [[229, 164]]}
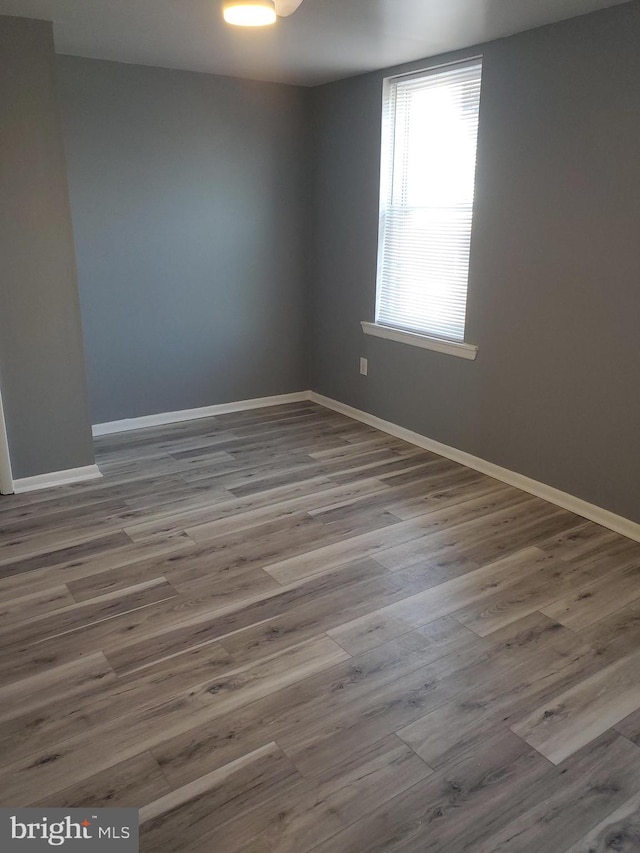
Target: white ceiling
{"points": [[324, 40]]}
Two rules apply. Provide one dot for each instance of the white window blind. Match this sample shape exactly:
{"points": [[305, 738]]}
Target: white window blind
{"points": [[430, 135]]}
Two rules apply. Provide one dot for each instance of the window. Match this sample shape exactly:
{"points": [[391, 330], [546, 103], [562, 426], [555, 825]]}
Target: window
{"points": [[430, 130]]}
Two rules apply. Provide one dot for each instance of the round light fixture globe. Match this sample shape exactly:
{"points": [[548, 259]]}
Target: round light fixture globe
{"points": [[249, 13]]}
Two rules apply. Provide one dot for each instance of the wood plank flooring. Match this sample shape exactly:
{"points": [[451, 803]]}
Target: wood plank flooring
{"points": [[281, 631]]}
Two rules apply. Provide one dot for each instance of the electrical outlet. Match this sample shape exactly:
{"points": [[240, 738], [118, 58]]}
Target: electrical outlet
{"points": [[364, 366]]}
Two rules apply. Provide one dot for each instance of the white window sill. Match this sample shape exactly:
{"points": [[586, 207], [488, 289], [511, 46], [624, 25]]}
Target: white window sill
{"points": [[461, 350]]}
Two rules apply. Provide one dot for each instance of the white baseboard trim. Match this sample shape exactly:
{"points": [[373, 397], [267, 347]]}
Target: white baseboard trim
{"points": [[193, 414], [594, 513], [56, 478], [601, 516]]}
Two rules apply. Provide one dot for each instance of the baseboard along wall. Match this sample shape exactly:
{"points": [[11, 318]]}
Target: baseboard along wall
{"points": [[56, 478], [604, 517], [599, 515], [193, 414]]}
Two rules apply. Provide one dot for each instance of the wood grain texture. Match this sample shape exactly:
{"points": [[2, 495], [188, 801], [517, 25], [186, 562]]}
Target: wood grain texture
{"points": [[281, 631], [577, 716], [619, 831]]}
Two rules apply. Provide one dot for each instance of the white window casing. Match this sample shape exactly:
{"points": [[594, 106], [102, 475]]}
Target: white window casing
{"points": [[430, 130]]}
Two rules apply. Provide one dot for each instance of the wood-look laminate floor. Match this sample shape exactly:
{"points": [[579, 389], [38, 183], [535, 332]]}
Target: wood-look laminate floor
{"points": [[281, 630]]}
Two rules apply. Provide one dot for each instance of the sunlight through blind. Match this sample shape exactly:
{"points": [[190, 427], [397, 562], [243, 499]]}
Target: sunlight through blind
{"points": [[428, 171]]}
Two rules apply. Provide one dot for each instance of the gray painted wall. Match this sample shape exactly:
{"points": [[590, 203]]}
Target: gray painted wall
{"points": [[41, 359], [554, 296], [188, 199]]}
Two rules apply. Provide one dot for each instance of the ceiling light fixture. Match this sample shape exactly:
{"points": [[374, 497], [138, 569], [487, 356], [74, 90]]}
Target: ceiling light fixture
{"points": [[250, 13], [257, 13]]}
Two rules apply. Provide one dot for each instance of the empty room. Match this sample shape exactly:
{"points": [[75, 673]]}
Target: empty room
{"points": [[320, 426]]}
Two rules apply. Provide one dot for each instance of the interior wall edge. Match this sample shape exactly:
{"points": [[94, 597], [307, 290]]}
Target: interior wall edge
{"points": [[6, 474]]}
